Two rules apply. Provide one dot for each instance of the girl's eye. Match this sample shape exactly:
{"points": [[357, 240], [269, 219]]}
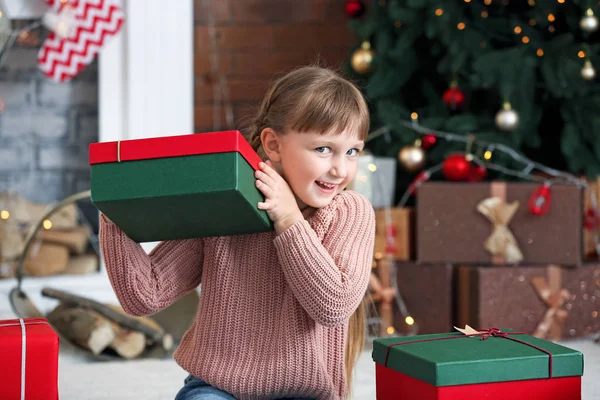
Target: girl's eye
{"points": [[323, 150], [352, 152]]}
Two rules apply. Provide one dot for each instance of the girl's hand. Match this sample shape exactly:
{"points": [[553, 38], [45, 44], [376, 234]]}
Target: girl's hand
{"points": [[280, 202]]}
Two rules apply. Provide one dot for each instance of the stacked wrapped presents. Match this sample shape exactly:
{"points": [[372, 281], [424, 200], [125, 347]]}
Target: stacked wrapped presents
{"points": [[513, 262]]}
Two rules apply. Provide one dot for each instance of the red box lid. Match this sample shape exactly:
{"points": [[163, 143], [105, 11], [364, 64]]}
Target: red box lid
{"points": [[173, 146]]}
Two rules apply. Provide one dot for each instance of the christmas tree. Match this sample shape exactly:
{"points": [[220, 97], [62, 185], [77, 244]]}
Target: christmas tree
{"points": [[516, 72]]}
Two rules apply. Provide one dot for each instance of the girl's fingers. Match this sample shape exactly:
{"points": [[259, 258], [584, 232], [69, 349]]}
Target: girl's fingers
{"points": [[264, 206], [264, 178], [264, 188], [269, 170]]}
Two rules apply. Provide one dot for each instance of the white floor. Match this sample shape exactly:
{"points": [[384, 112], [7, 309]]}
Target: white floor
{"points": [[80, 379]]}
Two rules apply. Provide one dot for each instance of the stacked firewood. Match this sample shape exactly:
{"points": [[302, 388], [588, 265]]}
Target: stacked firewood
{"points": [[105, 329], [59, 247]]}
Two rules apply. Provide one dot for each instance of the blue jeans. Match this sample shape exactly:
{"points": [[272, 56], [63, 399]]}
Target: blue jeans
{"points": [[197, 389]]}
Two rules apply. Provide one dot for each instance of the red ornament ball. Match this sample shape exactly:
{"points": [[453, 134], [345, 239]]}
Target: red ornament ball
{"points": [[456, 167], [454, 98], [477, 173], [429, 141], [354, 9]]}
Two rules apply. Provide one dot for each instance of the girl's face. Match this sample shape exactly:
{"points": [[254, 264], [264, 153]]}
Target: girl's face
{"points": [[317, 167]]}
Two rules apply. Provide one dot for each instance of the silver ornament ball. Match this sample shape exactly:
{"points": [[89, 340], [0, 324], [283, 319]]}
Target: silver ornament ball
{"points": [[412, 158], [507, 119], [589, 23], [588, 72]]}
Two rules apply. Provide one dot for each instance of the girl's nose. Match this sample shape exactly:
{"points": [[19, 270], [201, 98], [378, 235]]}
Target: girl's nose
{"points": [[339, 169]]}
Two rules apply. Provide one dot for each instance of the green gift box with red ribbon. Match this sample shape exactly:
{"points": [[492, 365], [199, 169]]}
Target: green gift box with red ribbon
{"points": [[178, 187], [490, 364]]}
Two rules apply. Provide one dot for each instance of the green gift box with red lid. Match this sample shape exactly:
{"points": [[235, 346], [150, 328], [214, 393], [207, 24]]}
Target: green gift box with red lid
{"points": [[494, 364], [178, 187]]}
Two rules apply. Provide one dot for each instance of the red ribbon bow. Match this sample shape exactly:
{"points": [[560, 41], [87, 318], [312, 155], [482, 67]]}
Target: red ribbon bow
{"points": [[494, 332]]}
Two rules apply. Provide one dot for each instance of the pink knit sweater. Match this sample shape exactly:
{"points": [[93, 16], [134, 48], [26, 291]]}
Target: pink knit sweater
{"points": [[274, 309]]}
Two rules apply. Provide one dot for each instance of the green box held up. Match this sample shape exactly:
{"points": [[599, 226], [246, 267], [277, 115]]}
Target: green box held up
{"points": [[179, 187]]}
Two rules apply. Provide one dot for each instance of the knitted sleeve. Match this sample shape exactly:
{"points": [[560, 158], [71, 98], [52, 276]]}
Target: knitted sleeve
{"points": [[329, 277], [147, 283]]}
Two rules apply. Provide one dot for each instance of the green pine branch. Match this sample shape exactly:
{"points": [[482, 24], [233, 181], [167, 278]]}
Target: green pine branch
{"points": [[527, 55]]}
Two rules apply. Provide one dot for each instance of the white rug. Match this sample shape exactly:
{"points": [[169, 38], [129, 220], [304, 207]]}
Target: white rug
{"points": [[80, 379]]}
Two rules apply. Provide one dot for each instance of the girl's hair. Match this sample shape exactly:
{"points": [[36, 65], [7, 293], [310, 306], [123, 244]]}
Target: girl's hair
{"points": [[316, 99], [311, 99]]}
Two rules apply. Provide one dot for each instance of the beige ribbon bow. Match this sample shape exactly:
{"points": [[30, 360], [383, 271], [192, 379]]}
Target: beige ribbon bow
{"points": [[501, 242], [550, 327]]}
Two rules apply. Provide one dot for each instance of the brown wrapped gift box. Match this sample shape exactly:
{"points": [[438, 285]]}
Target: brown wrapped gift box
{"points": [[402, 224], [512, 297], [428, 291], [451, 229]]}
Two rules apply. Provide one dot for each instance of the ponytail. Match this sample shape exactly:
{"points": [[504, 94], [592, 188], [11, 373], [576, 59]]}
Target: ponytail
{"points": [[354, 342]]}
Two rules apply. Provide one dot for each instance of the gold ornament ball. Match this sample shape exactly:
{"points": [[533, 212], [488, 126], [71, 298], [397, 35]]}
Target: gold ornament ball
{"points": [[588, 72], [362, 59], [507, 119], [412, 158], [589, 23]]}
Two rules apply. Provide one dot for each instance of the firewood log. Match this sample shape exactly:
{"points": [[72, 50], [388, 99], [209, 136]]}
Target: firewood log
{"points": [[83, 264], [28, 213], [75, 239], [159, 336], [46, 259], [86, 328], [127, 343], [167, 342]]}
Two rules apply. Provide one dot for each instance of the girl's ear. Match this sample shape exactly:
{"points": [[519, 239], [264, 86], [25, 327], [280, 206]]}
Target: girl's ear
{"points": [[271, 144]]}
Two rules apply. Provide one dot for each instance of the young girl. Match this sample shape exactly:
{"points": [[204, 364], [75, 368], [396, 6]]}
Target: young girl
{"points": [[280, 313]]}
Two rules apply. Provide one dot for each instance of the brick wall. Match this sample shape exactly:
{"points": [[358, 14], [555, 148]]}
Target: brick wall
{"points": [[258, 39], [45, 129]]}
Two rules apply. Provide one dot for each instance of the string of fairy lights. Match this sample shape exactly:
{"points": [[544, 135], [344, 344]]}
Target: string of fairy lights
{"points": [[588, 23]]}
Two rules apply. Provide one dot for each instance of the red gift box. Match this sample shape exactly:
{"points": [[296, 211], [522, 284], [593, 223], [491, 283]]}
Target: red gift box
{"points": [[29, 368], [394, 385]]}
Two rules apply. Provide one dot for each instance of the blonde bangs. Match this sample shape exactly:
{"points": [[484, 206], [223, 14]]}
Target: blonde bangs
{"points": [[331, 107]]}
